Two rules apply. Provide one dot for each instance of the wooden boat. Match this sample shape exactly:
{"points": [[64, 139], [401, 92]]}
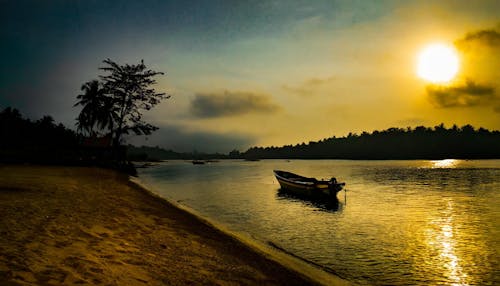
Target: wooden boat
{"points": [[198, 162], [308, 187]]}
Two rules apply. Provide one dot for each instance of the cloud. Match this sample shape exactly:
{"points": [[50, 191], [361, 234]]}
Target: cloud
{"points": [[310, 86], [180, 139], [487, 37], [480, 55], [464, 95], [231, 103]]}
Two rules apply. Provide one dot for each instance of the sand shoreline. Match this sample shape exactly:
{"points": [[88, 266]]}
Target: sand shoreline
{"points": [[270, 250], [77, 225]]}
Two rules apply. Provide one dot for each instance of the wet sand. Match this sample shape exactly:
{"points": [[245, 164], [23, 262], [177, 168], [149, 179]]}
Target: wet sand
{"points": [[90, 226]]}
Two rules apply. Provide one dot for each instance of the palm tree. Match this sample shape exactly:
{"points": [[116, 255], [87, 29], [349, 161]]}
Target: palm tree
{"points": [[98, 112]]}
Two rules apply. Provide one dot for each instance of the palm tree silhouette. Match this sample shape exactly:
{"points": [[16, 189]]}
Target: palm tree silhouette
{"points": [[98, 112]]}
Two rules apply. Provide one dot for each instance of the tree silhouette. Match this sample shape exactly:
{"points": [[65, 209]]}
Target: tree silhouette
{"points": [[114, 105], [394, 143], [40, 141], [97, 111]]}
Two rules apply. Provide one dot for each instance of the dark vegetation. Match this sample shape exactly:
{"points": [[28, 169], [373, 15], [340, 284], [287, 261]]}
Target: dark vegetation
{"points": [[111, 107], [40, 141], [146, 153], [421, 142], [394, 143], [45, 142]]}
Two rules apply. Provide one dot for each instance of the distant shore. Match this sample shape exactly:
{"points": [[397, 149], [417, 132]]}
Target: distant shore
{"points": [[72, 225]]}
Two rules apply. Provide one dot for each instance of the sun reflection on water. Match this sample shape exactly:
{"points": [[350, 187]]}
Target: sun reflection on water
{"points": [[444, 242], [446, 163]]}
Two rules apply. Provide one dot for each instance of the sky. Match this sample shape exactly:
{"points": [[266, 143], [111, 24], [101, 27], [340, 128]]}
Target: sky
{"points": [[257, 73]]}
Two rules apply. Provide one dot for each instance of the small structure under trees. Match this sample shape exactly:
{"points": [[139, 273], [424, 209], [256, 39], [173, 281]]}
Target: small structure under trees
{"points": [[114, 104]]}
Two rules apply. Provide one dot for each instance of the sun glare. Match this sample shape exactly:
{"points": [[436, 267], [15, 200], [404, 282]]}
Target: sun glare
{"points": [[446, 163], [437, 63]]}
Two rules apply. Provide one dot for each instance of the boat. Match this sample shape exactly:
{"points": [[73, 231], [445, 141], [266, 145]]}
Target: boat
{"points": [[198, 162], [308, 187]]}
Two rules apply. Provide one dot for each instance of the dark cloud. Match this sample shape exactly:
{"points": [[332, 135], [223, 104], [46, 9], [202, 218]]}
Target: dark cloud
{"points": [[310, 86], [487, 37], [465, 95], [179, 139], [230, 103], [480, 49]]}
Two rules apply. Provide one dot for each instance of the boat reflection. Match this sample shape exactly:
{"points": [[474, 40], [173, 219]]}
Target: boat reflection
{"points": [[332, 204]]}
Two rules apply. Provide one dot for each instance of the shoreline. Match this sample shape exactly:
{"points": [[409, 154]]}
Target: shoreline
{"points": [[271, 250], [91, 226]]}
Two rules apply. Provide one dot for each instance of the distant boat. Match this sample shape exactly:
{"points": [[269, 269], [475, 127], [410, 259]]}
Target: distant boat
{"points": [[198, 162], [308, 187]]}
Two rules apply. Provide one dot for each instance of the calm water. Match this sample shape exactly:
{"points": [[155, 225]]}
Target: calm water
{"points": [[402, 223]]}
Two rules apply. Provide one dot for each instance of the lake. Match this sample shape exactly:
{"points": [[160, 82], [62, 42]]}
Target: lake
{"points": [[413, 222]]}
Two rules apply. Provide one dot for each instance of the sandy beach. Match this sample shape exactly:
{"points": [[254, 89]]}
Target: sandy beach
{"points": [[90, 226]]}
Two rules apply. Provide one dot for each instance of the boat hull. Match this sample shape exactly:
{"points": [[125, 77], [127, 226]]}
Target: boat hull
{"points": [[307, 187], [296, 188]]}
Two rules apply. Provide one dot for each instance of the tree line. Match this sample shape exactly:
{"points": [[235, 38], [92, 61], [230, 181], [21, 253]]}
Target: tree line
{"points": [[39, 141], [111, 106], [156, 153], [44, 141], [420, 142]]}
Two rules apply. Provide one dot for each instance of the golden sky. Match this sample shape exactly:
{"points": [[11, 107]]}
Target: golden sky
{"points": [[284, 72]]}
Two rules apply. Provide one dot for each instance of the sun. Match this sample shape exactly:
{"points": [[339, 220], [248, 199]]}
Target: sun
{"points": [[437, 63]]}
